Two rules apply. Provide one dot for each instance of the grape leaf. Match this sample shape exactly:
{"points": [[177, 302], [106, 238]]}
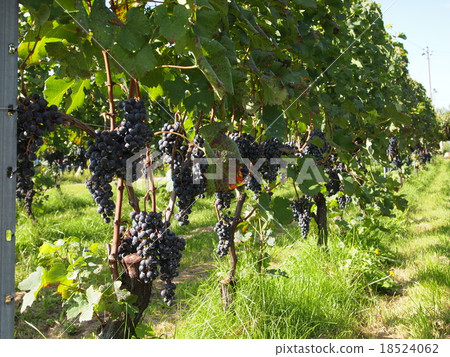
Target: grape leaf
{"points": [[174, 26], [281, 210], [56, 88], [77, 96], [307, 3], [275, 123], [33, 283]]}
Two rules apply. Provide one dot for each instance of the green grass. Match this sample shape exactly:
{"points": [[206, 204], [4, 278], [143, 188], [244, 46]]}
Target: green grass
{"points": [[422, 310], [345, 291]]}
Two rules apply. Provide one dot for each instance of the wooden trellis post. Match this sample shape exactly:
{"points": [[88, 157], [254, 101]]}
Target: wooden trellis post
{"points": [[8, 147]]}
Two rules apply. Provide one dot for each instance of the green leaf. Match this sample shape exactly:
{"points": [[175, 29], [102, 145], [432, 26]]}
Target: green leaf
{"points": [[133, 36], [175, 90], [221, 5], [56, 88], [281, 210], [207, 23], [93, 296], [264, 201], [216, 83], [274, 121], [104, 24], [85, 306], [57, 273], [78, 95], [272, 90], [42, 15], [310, 176], [145, 61], [138, 22], [210, 132], [81, 307], [25, 51], [68, 5], [306, 3], [343, 140], [48, 249], [33, 283], [349, 185], [174, 26], [317, 142], [216, 55]]}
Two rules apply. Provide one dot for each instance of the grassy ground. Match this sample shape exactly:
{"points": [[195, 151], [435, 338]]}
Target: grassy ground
{"points": [[383, 278], [422, 307]]}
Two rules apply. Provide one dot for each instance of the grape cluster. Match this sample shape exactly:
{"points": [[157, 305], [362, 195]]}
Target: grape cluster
{"points": [[392, 149], [251, 150], [333, 168], [187, 175], [171, 144], [159, 248], [199, 169], [254, 185], [271, 149], [186, 191], [425, 157], [397, 161], [109, 153], [247, 145], [133, 130], [189, 181], [343, 201], [223, 230], [421, 154], [302, 213], [35, 119], [314, 150], [105, 156], [54, 158], [290, 146], [393, 152], [334, 184], [75, 160], [223, 199]]}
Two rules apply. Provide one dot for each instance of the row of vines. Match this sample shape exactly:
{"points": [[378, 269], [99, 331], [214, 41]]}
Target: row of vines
{"points": [[314, 94]]}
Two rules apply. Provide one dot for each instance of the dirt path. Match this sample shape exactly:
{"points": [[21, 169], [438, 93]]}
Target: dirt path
{"points": [[421, 308]]}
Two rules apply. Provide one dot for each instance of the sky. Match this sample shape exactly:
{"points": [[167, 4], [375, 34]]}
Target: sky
{"points": [[425, 23]]}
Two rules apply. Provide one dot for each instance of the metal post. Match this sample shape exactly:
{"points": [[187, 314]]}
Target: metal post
{"points": [[8, 147], [428, 53]]}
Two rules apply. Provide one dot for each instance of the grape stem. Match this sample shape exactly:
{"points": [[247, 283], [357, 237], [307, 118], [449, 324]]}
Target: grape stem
{"points": [[217, 211], [213, 113], [152, 189], [116, 235], [78, 124], [295, 188], [241, 196], [250, 214], [120, 184], [170, 207], [132, 199], [178, 67], [109, 83], [180, 135]]}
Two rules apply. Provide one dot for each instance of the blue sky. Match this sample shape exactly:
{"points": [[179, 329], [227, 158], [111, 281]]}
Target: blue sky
{"points": [[425, 23]]}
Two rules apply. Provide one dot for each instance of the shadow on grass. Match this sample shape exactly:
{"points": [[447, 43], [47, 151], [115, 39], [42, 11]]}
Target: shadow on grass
{"points": [[433, 273]]}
